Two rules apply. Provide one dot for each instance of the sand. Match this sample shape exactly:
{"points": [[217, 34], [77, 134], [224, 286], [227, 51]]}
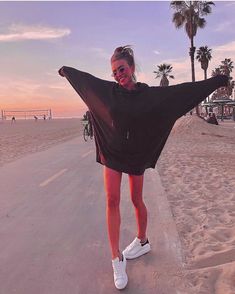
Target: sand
{"points": [[197, 169], [27, 136]]}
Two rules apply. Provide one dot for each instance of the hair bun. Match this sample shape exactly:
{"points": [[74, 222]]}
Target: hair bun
{"points": [[124, 50]]}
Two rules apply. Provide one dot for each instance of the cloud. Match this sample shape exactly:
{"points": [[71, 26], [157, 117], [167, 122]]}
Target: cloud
{"points": [[156, 52], [226, 26], [230, 47], [229, 4], [17, 86], [23, 32]]}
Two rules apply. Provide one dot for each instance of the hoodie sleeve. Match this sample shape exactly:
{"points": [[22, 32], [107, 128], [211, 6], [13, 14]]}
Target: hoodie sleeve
{"points": [[94, 92], [177, 100], [91, 89]]}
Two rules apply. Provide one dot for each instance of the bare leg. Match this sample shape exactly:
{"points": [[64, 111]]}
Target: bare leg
{"points": [[136, 189], [112, 183]]}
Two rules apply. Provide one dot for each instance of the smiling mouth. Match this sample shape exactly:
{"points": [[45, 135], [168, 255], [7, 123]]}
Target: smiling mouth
{"points": [[121, 80]]}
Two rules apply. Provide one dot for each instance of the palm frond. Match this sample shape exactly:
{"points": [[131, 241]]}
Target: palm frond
{"points": [[178, 19], [163, 72], [201, 22]]}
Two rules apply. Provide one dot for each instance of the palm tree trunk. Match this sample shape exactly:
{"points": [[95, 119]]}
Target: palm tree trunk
{"points": [[205, 78], [191, 53]]}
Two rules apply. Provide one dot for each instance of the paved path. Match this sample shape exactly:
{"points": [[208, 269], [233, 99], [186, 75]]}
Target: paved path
{"points": [[53, 232]]}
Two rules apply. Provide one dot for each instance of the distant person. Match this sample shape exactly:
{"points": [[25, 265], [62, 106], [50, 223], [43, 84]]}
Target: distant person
{"points": [[13, 119], [233, 114], [35, 118], [44, 117], [89, 119], [212, 119], [84, 117], [122, 112]]}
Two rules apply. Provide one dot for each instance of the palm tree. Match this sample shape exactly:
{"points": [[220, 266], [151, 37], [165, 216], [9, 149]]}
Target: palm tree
{"points": [[190, 15], [227, 66], [204, 56], [220, 92], [163, 72], [224, 92], [216, 72]]}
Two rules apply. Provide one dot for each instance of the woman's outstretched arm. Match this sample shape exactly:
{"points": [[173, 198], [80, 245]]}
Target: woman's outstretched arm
{"points": [[177, 100], [94, 92]]}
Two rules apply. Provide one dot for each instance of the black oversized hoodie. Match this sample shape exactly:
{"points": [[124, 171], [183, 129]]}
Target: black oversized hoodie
{"points": [[131, 126]]}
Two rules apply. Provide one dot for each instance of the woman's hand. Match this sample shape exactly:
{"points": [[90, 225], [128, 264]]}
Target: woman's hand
{"points": [[61, 72]]}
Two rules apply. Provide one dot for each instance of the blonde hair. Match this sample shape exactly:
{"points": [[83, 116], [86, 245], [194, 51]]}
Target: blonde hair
{"points": [[126, 53]]}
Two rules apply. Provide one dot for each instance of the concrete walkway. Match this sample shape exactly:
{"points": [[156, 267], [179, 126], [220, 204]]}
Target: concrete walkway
{"points": [[53, 237]]}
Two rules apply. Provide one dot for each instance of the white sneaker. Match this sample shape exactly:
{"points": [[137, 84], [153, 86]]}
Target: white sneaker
{"points": [[136, 249], [119, 273]]}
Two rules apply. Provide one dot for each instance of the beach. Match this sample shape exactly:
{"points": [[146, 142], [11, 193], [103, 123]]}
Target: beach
{"points": [[28, 136], [196, 169]]}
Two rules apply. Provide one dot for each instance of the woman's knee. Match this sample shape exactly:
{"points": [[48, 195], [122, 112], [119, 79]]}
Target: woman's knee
{"points": [[137, 200], [136, 189], [113, 200]]}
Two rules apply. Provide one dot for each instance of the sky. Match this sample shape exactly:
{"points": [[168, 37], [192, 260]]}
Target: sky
{"points": [[38, 37]]}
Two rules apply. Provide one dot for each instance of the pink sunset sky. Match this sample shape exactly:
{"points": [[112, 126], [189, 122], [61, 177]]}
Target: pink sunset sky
{"points": [[37, 38]]}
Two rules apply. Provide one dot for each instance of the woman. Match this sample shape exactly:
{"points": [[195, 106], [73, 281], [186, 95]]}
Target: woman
{"points": [[122, 112]]}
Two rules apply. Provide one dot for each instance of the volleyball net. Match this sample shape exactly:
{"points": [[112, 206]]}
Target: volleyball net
{"points": [[26, 114]]}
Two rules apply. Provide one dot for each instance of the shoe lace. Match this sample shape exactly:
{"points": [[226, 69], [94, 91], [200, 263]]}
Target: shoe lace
{"points": [[133, 244], [118, 269]]}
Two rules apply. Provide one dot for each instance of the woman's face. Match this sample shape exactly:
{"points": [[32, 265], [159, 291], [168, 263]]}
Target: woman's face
{"points": [[123, 73]]}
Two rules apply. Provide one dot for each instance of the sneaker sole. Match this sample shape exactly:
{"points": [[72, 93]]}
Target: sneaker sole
{"points": [[124, 286], [138, 254], [126, 279]]}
